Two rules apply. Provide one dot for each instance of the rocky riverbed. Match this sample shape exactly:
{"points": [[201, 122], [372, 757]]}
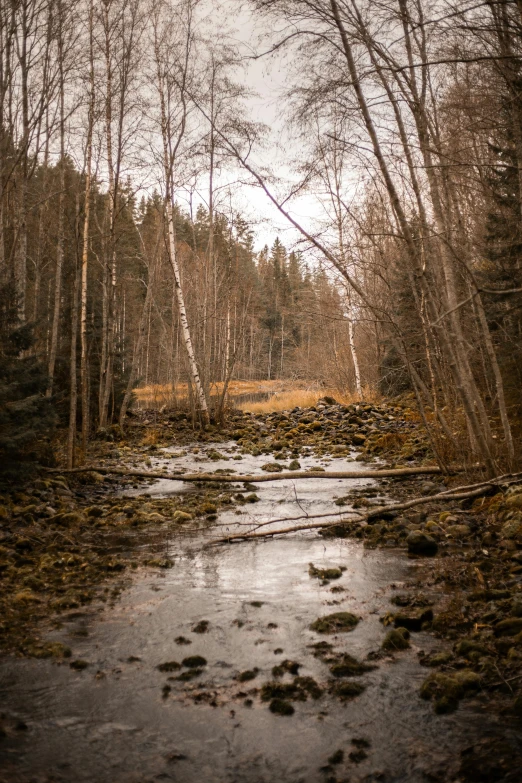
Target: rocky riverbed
{"points": [[386, 651]]}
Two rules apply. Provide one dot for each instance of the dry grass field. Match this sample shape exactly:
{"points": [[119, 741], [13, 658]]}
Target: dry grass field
{"points": [[253, 396]]}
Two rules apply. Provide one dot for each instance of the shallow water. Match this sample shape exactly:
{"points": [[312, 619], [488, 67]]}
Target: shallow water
{"points": [[111, 722]]}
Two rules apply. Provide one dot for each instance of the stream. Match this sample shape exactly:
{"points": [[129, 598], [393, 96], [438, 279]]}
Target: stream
{"points": [[241, 607]]}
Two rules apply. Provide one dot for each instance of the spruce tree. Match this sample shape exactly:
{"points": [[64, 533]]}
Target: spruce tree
{"points": [[27, 417]]}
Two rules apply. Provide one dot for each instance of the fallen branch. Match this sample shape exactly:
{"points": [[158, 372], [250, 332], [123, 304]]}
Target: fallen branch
{"points": [[348, 474], [455, 494]]}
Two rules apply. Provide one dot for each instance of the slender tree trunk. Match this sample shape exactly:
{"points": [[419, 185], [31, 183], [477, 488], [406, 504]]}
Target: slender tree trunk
{"points": [[355, 359], [73, 400], [61, 228], [200, 394], [84, 369]]}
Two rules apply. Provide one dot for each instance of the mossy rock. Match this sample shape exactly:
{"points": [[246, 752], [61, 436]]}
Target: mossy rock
{"points": [[189, 674], [338, 622], [272, 467], [348, 666], [78, 665], [413, 622], [511, 626], [194, 662], [181, 516], [446, 690], [168, 666], [298, 690], [248, 674], [285, 667], [468, 646], [48, 650], [345, 691], [396, 639], [26, 597], [68, 519], [325, 573], [438, 659], [201, 627], [281, 707]]}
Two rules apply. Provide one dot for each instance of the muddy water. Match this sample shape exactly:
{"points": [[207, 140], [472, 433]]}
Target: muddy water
{"points": [[114, 721]]}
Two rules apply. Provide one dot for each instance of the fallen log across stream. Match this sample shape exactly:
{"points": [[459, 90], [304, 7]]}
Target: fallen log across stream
{"points": [[467, 492], [256, 479]]}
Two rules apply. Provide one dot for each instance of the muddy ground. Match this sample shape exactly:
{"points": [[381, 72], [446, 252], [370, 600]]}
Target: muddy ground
{"points": [[71, 545]]}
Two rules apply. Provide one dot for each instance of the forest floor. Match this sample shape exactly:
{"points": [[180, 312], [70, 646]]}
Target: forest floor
{"points": [[68, 541]]}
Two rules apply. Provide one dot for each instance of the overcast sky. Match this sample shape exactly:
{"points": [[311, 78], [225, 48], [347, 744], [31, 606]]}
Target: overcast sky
{"points": [[268, 78]]}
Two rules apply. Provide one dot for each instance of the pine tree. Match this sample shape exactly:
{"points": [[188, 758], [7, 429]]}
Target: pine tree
{"points": [[27, 416]]}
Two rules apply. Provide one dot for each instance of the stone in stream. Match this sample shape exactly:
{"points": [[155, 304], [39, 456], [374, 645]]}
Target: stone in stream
{"points": [[325, 573], [338, 622], [421, 544], [397, 639], [413, 622], [446, 690]]}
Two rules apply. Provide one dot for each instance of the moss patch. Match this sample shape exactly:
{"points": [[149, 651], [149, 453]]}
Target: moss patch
{"points": [[338, 622]]}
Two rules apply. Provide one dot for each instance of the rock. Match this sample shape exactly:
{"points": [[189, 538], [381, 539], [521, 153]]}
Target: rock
{"points": [[413, 622], [348, 666], [338, 622], [512, 528], [458, 531], [78, 665], [395, 640], [68, 518], [514, 501], [294, 465], [429, 488], [26, 597], [467, 646], [181, 516], [437, 659], [444, 690], [249, 674], [194, 662], [201, 627], [286, 667], [421, 544], [281, 707], [272, 467], [346, 690], [325, 573], [516, 609], [358, 439], [511, 626]]}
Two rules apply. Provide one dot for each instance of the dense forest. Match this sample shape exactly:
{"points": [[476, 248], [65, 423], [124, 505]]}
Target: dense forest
{"points": [[126, 136]]}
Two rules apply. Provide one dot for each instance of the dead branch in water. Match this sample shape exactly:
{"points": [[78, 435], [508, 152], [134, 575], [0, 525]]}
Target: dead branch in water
{"points": [[455, 494], [347, 474]]}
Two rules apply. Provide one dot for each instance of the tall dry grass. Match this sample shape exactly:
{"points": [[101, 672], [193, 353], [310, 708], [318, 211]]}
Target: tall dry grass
{"points": [[156, 395], [304, 398], [284, 395]]}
